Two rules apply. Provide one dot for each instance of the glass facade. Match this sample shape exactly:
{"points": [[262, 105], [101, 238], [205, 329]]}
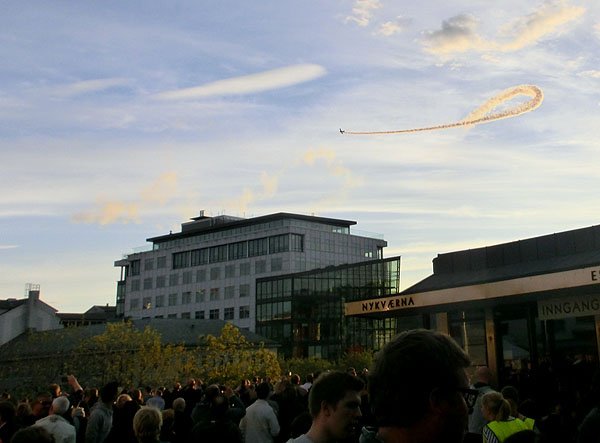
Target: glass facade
{"points": [[305, 312]]}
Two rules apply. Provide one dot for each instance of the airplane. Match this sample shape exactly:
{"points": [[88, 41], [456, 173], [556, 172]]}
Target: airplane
{"points": [[342, 131]]}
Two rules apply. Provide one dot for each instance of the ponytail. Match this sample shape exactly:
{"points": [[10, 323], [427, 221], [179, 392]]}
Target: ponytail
{"points": [[497, 405]]}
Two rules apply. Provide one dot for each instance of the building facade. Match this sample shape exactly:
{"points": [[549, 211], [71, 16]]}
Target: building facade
{"points": [[304, 311], [527, 308], [209, 269]]}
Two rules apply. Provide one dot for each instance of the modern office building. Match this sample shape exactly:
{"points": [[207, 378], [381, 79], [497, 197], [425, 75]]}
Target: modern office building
{"points": [[304, 311], [209, 269]]}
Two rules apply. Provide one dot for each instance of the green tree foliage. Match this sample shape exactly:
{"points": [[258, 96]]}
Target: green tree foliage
{"points": [[131, 357], [305, 366], [356, 360], [229, 358]]}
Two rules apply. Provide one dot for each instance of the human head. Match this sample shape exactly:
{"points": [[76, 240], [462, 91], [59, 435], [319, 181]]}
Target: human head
{"points": [[511, 394], [179, 404], [109, 391], [263, 390], [334, 404], [54, 390], [147, 423], [32, 434], [483, 374], [7, 411], [495, 407], [122, 399], [60, 405], [295, 379], [415, 373], [219, 407]]}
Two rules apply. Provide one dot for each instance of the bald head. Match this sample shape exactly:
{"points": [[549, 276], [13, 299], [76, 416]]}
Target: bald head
{"points": [[483, 374]]}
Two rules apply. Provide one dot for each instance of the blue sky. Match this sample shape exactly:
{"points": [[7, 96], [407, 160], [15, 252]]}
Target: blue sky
{"points": [[121, 120]]}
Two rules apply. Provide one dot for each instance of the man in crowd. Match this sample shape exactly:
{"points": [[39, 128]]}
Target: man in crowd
{"points": [[260, 423], [481, 381], [101, 415], [419, 390], [334, 405], [61, 430]]}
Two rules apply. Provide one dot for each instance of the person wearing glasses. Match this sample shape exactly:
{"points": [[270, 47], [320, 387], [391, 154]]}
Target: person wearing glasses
{"points": [[419, 390], [501, 425]]}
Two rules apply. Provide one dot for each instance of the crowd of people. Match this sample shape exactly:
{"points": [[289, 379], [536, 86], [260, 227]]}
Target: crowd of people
{"points": [[416, 391]]}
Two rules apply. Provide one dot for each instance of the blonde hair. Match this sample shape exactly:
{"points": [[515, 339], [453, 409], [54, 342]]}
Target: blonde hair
{"points": [[147, 423], [497, 405]]}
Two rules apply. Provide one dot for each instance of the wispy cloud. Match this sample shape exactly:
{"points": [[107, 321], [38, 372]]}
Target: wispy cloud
{"points": [[543, 21], [361, 12], [87, 86], [459, 33], [108, 211], [590, 73], [8, 246], [249, 84], [390, 28]]}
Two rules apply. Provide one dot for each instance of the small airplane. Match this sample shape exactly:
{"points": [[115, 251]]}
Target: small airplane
{"points": [[342, 131]]}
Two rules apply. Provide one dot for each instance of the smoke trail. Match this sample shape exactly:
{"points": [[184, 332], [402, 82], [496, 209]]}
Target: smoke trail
{"points": [[480, 115]]}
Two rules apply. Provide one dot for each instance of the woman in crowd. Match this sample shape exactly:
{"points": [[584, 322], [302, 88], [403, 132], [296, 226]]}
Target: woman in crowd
{"points": [[501, 425]]}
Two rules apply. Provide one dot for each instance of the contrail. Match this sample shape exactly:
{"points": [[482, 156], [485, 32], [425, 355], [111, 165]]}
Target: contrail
{"points": [[480, 115]]}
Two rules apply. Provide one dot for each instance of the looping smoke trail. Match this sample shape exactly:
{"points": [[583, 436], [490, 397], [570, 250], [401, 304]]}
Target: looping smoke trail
{"points": [[480, 115]]}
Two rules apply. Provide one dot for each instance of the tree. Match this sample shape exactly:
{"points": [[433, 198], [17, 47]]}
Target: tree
{"points": [[229, 358]]}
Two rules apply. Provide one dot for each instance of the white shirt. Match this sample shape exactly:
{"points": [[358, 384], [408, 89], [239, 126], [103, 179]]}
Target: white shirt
{"points": [[260, 424]]}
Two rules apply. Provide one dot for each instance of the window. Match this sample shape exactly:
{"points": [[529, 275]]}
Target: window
{"points": [[173, 279], [147, 303], [187, 277], [260, 267], [229, 271], [213, 314], [200, 295], [217, 253], [135, 285], [258, 247], [160, 301], [172, 299], [276, 264], [199, 315], [135, 267], [181, 260], [244, 290], [229, 292], [296, 242], [244, 269], [238, 250], [214, 294], [149, 264], [279, 243], [244, 311], [134, 303], [172, 316], [186, 315], [215, 273], [228, 313], [200, 275], [148, 283], [161, 262], [199, 257], [160, 281], [186, 298]]}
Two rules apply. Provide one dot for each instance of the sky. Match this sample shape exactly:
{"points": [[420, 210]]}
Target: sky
{"points": [[121, 120]]}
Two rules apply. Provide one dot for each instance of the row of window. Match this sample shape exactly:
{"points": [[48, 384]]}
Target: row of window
{"points": [[215, 273], [188, 297], [213, 314], [239, 250]]}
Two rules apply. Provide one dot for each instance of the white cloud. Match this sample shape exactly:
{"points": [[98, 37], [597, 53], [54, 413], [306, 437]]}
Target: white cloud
{"points": [[8, 246], [250, 84], [72, 89], [543, 21], [590, 73], [458, 34], [393, 27], [361, 12]]}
